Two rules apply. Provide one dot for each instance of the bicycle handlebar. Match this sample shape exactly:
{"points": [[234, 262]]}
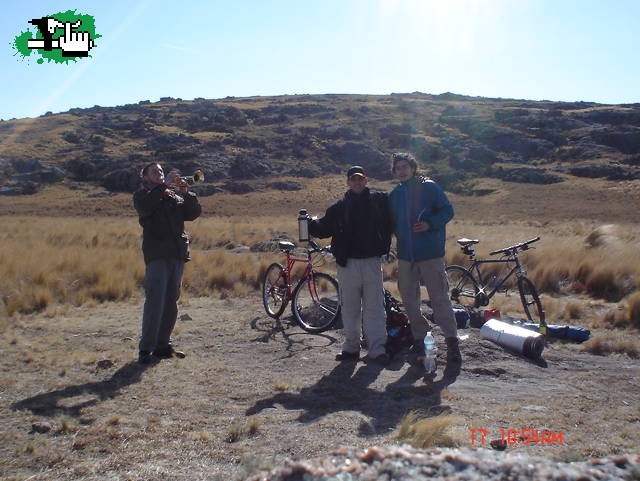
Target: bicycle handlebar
{"points": [[316, 248], [523, 246]]}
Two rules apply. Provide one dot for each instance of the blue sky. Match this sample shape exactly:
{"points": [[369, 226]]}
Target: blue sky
{"points": [[529, 49]]}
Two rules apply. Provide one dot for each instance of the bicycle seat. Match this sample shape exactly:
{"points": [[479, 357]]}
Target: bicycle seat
{"points": [[464, 242], [286, 246]]}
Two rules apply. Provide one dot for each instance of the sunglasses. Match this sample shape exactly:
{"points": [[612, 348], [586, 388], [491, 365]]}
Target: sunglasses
{"points": [[353, 178]]}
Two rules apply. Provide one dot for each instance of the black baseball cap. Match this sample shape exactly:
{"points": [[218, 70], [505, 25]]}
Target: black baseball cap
{"points": [[355, 170]]}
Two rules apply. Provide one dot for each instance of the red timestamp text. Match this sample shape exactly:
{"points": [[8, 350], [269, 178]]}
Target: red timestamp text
{"points": [[520, 436]]}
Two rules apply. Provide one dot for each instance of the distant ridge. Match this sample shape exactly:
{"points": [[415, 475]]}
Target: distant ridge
{"points": [[461, 138]]}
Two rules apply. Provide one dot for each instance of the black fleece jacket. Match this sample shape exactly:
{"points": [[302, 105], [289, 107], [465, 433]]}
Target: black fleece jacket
{"points": [[360, 226]]}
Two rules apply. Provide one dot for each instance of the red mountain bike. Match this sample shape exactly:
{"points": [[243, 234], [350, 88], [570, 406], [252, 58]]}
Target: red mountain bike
{"points": [[315, 300]]}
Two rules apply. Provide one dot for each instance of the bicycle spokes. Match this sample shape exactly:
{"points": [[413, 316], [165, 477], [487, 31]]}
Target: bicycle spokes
{"points": [[316, 303]]}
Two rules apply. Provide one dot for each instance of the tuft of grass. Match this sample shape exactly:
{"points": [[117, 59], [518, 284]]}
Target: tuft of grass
{"points": [[199, 436], [626, 314], [241, 430], [254, 426], [573, 310], [4, 317], [603, 343], [66, 427], [113, 421], [633, 309], [425, 432]]}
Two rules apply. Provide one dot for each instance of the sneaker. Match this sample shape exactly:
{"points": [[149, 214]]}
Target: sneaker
{"points": [[168, 352], [145, 357], [382, 359], [348, 356]]}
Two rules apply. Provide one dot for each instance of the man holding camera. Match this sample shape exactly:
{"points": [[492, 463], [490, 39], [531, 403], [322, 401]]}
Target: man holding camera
{"points": [[163, 205], [360, 228]]}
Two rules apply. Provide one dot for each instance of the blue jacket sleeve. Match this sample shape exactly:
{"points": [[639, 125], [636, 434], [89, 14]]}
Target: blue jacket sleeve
{"points": [[438, 210]]}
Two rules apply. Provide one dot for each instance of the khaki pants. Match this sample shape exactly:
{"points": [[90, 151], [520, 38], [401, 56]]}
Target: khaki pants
{"points": [[431, 273], [362, 304]]}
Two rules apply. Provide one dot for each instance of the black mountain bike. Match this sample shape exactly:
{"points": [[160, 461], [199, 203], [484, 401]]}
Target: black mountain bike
{"points": [[469, 288]]}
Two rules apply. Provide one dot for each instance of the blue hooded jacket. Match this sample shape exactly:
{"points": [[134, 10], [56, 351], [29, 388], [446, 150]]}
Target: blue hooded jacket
{"points": [[416, 200]]}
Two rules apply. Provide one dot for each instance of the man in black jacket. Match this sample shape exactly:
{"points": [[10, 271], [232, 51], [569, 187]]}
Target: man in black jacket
{"points": [[360, 228], [163, 205]]}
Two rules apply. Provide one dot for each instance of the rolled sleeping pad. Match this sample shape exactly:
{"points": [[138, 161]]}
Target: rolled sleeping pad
{"points": [[572, 333], [513, 337]]}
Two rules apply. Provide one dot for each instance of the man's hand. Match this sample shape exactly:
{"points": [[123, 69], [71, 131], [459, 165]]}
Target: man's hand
{"points": [[421, 226], [174, 180]]}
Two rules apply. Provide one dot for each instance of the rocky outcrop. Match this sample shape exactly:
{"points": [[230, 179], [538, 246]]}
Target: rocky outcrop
{"points": [[375, 163], [238, 187], [314, 135], [528, 175], [245, 167], [608, 171], [285, 185], [405, 462], [20, 188], [122, 180]]}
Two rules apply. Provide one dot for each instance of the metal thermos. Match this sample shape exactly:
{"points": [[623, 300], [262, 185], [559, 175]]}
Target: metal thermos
{"points": [[303, 226]]}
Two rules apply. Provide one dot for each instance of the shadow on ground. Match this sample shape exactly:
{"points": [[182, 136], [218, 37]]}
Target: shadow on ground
{"points": [[52, 403], [287, 331], [348, 389]]}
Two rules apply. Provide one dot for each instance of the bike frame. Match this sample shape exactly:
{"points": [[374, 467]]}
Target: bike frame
{"points": [[306, 275], [517, 269]]}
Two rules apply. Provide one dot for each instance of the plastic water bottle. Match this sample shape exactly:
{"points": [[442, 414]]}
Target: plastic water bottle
{"points": [[429, 353]]}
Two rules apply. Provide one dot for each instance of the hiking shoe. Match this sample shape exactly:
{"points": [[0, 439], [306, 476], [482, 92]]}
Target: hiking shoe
{"points": [[348, 356], [168, 352], [145, 357], [453, 351], [382, 359]]}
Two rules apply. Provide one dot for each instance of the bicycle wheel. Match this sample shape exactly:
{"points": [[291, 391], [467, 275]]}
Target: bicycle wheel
{"points": [[274, 290], [316, 302], [463, 288], [531, 301]]}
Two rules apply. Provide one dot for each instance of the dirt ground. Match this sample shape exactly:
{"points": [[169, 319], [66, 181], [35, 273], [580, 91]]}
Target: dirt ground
{"points": [[253, 391]]}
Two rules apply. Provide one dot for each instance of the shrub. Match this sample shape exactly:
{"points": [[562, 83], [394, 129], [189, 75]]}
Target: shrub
{"points": [[424, 432]]}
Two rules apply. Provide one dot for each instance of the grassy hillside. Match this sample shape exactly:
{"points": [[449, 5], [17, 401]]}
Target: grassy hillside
{"points": [[460, 139]]}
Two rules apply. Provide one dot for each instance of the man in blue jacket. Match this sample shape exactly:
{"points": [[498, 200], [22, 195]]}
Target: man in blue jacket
{"points": [[421, 211]]}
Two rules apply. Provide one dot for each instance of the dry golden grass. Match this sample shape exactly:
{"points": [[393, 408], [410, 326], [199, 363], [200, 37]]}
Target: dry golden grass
{"points": [[603, 343], [49, 263], [426, 432], [240, 430]]}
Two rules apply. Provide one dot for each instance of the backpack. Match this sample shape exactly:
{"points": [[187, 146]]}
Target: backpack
{"points": [[399, 333]]}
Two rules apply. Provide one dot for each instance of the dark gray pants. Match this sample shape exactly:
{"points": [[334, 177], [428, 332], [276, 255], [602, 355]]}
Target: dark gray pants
{"points": [[162, 282]]}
